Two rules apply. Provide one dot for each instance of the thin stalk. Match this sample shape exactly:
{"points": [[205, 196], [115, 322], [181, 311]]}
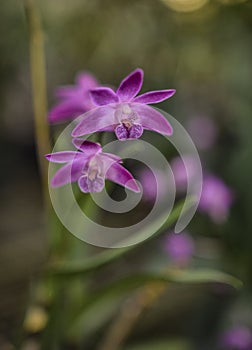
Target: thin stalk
{"points": [[38, 78]]}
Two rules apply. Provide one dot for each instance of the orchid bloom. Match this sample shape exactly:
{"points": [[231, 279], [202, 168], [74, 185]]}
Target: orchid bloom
{"points": [[238, 337], [180, 247], [123, 112], [203, 131], [89, 166], [184, 171], [154, 184], [74, 100], [216, 198]]}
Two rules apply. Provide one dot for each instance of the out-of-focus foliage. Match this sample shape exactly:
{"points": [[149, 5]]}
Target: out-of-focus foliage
{"points": [[203, 50]]}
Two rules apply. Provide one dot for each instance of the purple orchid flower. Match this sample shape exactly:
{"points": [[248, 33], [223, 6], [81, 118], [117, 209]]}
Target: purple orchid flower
{"points": [[216, 198], [90, 167], [74, 100], [125, 113], [203, 131], [180, 247], [238, 337], [184, 171], [151, 182]]}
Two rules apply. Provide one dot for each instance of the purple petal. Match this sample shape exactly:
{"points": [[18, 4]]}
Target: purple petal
{"points": [[118, 174], [66, 110], [103, 96], [68, 173], [113, 156], [63, 157], [180, 247], [216, 198], [88, 148], [154, 96], [66, 91], [152, 119], [86, 80], [121, 132], [135, 131], [95, 120], [86, 185], [203, 130], [108, 128], [131, 85], [237, 337]]}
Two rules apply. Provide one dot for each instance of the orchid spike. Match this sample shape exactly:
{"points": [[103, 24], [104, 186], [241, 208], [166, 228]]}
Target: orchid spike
{"points": [[89, 166], [73, 100], [123, 112]]}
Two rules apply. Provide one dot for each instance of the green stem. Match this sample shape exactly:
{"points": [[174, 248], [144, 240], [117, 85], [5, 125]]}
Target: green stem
{"points": [[38, 77]]}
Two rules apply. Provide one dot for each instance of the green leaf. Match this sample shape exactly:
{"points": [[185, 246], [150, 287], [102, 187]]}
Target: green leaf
{"points": [[129, 283], [109, 255], [111, 294]]}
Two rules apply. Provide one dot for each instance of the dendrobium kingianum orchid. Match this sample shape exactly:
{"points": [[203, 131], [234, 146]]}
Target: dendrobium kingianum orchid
{"points": [[74, 100], [89, 166], [124, 112]]}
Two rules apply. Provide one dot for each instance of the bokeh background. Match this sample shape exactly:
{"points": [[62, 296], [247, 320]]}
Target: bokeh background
{"points": [[202, 48]]}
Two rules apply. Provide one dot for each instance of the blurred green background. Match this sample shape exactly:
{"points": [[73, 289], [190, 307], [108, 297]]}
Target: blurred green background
{"points": [[202, 48]]}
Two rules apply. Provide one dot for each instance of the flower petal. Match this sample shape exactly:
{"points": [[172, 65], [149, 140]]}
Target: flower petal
{"points": [[68, 173], [63, 157], [121, 132], [88, 148], [118, 174], [131, 85], [66, 91], [66, 110], [86, 80], [113, 156], [86, 185], [103, 96], [151, 119], [154, 96], [135, 131], [95, 120]]}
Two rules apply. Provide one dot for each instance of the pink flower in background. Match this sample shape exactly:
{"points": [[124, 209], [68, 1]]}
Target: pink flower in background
{"points": [[125, 113], [90, 167], [73, 100], [237, 338], [216, 198], [203, 131], [180, 247], [183, 171], [153, 184]]}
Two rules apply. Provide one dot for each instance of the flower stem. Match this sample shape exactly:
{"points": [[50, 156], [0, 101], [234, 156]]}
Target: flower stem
{"points": [[38, 77]]}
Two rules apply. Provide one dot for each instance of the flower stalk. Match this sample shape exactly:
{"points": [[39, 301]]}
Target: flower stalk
{"points": [[38, 78]]}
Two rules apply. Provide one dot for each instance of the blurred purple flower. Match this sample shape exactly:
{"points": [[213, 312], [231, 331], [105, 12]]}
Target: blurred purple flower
{"points": [[180, 247], [203, 131], [237, 338], [184, 170], [90, 166], [153, 184], [216, 198], [125, 113], [73, 100]]}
